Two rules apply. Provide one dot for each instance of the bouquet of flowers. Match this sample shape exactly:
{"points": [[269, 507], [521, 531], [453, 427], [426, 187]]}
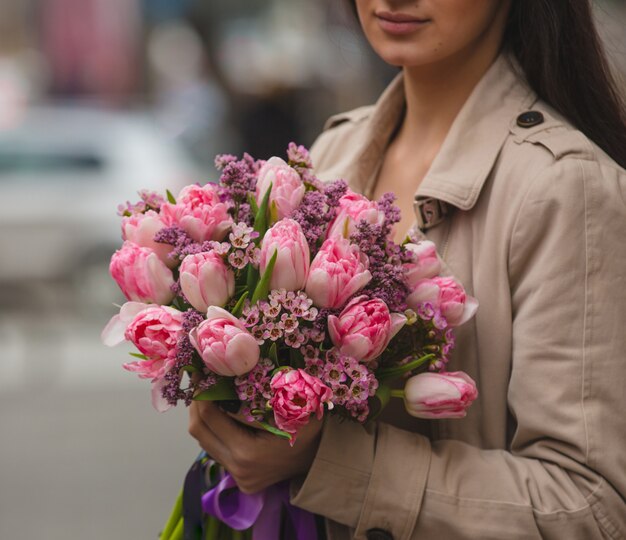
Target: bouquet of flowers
{"points": [[286, 297]]}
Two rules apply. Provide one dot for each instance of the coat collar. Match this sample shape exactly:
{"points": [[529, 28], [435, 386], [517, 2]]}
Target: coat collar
{"points": [[472, 145]]}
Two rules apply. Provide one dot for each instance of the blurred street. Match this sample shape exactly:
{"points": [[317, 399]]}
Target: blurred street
{"points": [[82, 452]]}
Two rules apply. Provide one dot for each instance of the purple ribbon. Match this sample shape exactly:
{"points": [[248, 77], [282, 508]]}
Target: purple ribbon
{"points": [[262, 510]]}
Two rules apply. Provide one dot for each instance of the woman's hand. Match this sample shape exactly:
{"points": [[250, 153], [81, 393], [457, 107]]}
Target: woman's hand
{"points": [[256, 459]]}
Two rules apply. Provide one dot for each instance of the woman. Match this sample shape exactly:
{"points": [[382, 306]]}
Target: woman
{"points": [[529, 213]]}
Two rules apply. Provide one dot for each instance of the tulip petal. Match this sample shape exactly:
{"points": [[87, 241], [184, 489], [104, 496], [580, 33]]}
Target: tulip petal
{"points": [[113, 332], [158, 401], [471, 306]]}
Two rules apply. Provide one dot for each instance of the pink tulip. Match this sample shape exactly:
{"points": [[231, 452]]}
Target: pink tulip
{"points": [[439, 395], [199, 211], [354, 208], [425, 262], [287, 187], [154, 331], [206, 280], [141, 229], [141, 275], [296, 396], [364, 328], [338, 271], [224, 344], [446, 294], [293, 257]]}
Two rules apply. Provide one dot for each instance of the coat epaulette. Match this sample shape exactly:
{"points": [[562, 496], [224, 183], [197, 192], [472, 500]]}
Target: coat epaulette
{"points": [[556, 135], [355, 115]]}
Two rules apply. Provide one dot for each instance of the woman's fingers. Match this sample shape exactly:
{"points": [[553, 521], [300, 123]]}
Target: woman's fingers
{"points": [[210, 441]]}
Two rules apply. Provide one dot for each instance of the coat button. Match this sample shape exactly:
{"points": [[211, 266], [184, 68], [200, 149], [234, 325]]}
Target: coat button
{"points": [[378, 534], [530, 119]]}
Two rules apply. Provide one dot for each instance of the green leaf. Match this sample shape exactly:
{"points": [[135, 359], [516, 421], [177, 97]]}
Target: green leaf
{"points": [[263, 286], [189, 369], [273, 353], [274, 431], [379, 401], [260, 218], [222, 390], [140, 356], [392, 372], [281, 368], [170, 197], [239, 305], [252, 278], [273, 213], [254, 207]]}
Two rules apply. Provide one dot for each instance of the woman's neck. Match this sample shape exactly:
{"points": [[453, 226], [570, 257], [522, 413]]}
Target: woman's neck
{"points": [[435, 95]]}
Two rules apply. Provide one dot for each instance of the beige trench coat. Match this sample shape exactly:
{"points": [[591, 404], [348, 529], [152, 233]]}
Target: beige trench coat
{"points": [[538, 235]]}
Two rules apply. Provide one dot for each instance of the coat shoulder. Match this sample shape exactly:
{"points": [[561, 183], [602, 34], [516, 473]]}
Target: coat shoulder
{"points": [[342, 136], [553, 155]]}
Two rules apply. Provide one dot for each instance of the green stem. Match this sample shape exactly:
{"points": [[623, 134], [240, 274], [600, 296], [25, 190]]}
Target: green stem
{"points": [[178, 531], [397, 393], [212, 528], [174, 518], [388, 373]]}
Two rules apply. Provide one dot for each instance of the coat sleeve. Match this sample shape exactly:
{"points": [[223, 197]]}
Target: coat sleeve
{"points": [[563, 474]]}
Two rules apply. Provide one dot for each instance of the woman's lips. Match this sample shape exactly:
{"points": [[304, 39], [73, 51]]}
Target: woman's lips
{"points": [[399, 23]]}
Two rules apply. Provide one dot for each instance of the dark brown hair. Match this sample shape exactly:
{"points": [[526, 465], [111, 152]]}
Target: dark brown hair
{"points": [[561, 54], [557, 45]]}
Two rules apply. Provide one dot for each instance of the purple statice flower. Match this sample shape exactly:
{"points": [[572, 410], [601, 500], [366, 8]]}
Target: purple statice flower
{"points": [[333, 192], [191, 319], [176, 237], [298, 156], [171, 390], [385, 257], [221, 160], [317, 209], [237, 182], [311, 216]]}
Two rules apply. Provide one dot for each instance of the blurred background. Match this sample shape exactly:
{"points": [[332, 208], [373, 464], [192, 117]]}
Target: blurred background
{"points": [[98, 99]]}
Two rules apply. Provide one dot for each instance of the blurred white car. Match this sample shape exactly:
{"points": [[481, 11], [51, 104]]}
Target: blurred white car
{"points": [[63, 172]]}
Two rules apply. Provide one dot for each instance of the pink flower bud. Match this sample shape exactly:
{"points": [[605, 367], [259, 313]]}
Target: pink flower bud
{"points": [[293, 257], [199, 211], [141, 275], [364, 328], [206, 280], [338, 271], [296, 396], [354, 208], [140, 229], [224, 344], [154, 331], [439, 395], [446, 294], [425, 262], [287, 187]]}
